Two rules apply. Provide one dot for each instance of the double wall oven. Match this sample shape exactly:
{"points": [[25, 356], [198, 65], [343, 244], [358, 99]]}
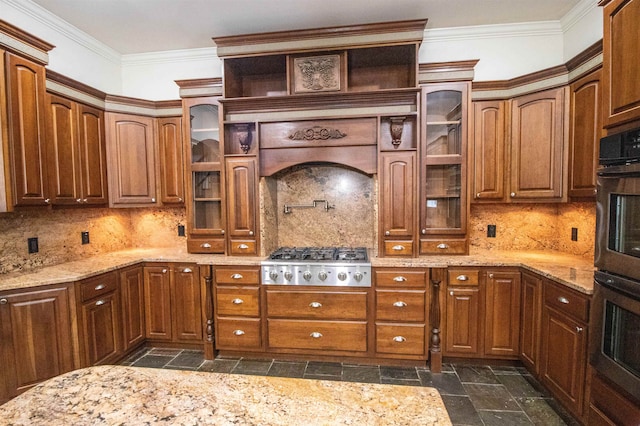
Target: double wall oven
{"points": [[615, 346]]}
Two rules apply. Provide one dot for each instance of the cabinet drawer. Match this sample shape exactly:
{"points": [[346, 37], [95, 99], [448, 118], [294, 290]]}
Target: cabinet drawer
{"points": [[320, 335], [317, 305], [566, 301], [400, 305], [401, 339], [236, 301], [243, 247], [443, 246], [401, 278], [464, 277], [97, 286], [205, 245], [238, 333], [398, 248], [237, 275]]}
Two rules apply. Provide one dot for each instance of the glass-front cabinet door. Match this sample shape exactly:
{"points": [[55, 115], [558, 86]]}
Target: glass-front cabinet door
{"points": [[443, 209], [205, 208]]}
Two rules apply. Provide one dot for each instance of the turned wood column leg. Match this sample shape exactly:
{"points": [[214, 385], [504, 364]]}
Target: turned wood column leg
{"points": [[209, 348], [435, 354]]}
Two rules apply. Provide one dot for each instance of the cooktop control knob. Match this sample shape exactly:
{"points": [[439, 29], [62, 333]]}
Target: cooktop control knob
{"points": [[288, 275], [273, 275], [358, 276], [342, 276], [307, 275], [322, 275]]}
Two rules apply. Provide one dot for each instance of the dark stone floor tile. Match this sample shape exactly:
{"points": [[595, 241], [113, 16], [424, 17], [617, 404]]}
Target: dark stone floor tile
{"points": [[322, 377], [401, 382], [447, 368], [504, 369], [401, 373], [540, 412], [287, 369], [446, 383], [461, 410], [518, 386], [502, 418], [315, 368], [219, 365], [476, 374], [253, 366], [179, 368], [361, 374], [491, 397], [189, 359], [153, 361], [134, 356], [536, 385], [165, 351]]}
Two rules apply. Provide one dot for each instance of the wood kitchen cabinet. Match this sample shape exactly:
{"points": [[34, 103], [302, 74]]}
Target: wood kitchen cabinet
{"points": [[621, 54], [242, 204], [502, 314], [488, 151], [38, 343], [131, 156], [462, 330], [171, 160], [133, 307], [76, 153], [530, 313]]}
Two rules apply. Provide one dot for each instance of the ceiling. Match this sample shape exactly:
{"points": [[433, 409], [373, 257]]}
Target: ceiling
{"points": [[139, 26]]}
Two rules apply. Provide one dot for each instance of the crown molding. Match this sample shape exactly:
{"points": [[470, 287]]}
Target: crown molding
{"points": [[531, 29], [183, 55], [578, 12], [62, 27]]}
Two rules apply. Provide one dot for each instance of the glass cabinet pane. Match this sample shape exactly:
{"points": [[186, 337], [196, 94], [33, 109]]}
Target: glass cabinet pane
{"points": [[207, 214], [206, 185], [443, 190], [205, 134], [444, 113]]}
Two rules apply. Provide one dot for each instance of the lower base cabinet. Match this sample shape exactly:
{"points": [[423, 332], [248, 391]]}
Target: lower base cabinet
{"points": [[132, 297]]}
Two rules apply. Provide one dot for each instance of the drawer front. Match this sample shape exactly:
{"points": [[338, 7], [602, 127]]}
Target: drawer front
{"points": [[464, 277], [238, 333], [97, 286], [401, 278], [401, 339], [205, 245], [236, 301], [567, 302], [237, 275], [317, 305], [443, 246], [319, 335], [402, 306], [398, 248], [239, 247]]}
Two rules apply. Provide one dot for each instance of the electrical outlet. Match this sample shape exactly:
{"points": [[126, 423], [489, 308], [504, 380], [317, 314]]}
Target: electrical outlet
{"points": [[180, 230], [491, 231], [32, 243], [574, 234], [85, 237]]}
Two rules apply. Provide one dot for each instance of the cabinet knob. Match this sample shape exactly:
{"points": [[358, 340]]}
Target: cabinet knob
{"points": [[399, 304], [251, 233], [164, 271], [451, 293], [564, 300], [84, 200], [179, 199], [237, 301], [315, 305], [99, 287], [3, 301], [579, 329], [387, 233], [424, 231], [238, 332], [399, 339], [315, 335], [187, 270], [47, 200], [243, 246], [153, 200], [100, 303], [478, 195], [222, 231], [513, 194], [78, 200], [443, 246], [205, 245], [398, 247], [490, 275], [237, 276]]}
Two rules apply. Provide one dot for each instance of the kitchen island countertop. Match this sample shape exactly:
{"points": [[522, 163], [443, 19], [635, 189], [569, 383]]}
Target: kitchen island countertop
{"points": [[131, 395]]}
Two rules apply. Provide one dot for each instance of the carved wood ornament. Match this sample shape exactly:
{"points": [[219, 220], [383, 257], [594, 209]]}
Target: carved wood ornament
{"points": [[397, 125], [244, 137], [317, 73], [316, 133]]}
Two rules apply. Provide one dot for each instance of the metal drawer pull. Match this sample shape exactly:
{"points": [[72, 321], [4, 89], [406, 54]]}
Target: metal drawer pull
{"points": [[205, 245], [243, 246], [100, 303], [443, 246], [398, 247], [564, 300], [187, 270], [315, 335], [399, 339], [462, 278], [399, 279], [238, 332], [315, 305], [237, 301], [99, 287], [3, 301], [399, 304], [237, 276]]}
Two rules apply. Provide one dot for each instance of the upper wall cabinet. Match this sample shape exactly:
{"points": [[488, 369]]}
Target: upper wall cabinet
{"points": [[621, 55], [171, 160]]}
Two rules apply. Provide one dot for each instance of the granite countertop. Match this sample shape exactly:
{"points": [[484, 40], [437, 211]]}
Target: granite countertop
{"points": [[572, 271], [132, 395]]}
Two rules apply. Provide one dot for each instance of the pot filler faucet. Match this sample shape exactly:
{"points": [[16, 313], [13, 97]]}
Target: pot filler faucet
{"points": [[327, 206]]}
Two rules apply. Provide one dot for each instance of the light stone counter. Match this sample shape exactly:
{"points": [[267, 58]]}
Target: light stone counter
{"points": [[572, 271], [110, 395]]}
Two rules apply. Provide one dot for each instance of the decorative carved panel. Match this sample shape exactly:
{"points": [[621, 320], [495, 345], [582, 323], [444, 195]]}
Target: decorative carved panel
{"points": [[316, 74]]}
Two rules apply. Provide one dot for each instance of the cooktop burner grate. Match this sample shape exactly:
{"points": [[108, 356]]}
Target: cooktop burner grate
{"points": [[320, 254]]}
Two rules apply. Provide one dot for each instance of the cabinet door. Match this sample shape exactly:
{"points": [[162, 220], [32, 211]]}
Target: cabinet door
{"points": [[397, 182], [463, 322], [585, 131], [101, 329], [133, 307], [241, 174], [26, 120], [63, 156], [157, 302], [530, 322], [563, 358], [131, 160], [621, 54], [93, 156], [171, 160], [537, 146], [187, 304], [502, 314], [36, 335], [487, 157]]}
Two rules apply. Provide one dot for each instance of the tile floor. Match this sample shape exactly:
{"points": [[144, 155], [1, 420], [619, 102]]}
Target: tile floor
{"points": [[473, 394]]}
